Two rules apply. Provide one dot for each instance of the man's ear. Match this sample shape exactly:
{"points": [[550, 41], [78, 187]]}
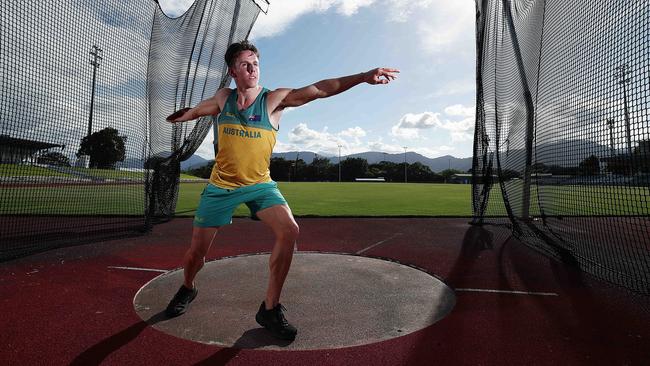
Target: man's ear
{"points": [[231, 72]]}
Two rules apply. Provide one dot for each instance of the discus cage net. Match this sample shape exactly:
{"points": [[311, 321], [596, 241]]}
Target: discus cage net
{"points": [[562, 138], [85, 151]]}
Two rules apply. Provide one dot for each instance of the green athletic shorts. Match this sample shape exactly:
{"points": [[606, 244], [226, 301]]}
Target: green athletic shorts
{"points": [[218, 204]]}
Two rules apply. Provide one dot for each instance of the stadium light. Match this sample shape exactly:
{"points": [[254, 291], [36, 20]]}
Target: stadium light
{"points": [[621, 72], [96, 58], [610, 124], [405, 175], [340, 162]]}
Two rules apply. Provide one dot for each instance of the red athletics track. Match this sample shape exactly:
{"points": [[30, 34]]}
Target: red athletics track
{"points": [[66, 306]]}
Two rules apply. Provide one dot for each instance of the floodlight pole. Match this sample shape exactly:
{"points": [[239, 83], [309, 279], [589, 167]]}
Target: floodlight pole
{"points": [[405, 175], [610, 124], [96, 52], [340, 162], [621, 72]]}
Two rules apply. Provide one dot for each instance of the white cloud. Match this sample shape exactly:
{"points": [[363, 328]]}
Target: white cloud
{"points": [[405, 133], [444, 27], [353, 132], [319, 141], [284, 147], [460, 110], [175, 8], [401, 10], [303, 138], [428, 152], [350, 7], [379, 145], [410, 124], [282, 13], [446, 148], [422, 120]]}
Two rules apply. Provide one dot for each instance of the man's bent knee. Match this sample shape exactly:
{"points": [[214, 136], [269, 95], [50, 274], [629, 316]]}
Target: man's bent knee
{"points": [[194, 258], [289, 232]]}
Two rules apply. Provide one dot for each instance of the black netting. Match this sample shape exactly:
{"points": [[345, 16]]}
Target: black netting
{"points": [[116, 69], [562, 139]]}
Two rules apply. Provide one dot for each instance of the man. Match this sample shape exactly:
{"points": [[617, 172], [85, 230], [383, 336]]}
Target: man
{"points": [[247, 124]]}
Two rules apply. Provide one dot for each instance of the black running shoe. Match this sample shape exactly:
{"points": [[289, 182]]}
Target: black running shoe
{"points": [[275, 322], [181, 301]]}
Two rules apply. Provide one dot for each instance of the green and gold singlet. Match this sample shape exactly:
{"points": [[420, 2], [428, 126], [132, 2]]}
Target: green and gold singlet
{"points": [[245, 141]]}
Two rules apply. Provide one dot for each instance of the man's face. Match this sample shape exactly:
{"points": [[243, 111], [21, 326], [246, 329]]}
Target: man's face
{"points": [[246, 70]]}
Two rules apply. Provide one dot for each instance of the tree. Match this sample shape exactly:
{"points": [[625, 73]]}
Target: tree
{"points": [[281, 169], [353, 168], [318, 169], [105, 148], [203, 171], [620, 164], [53, 158], [590, 166], [418, 172], [386, 169], [299, 170]]}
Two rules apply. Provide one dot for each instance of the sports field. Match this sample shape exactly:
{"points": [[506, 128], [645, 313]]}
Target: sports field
{"points": [[331, 199], [357, 199]]}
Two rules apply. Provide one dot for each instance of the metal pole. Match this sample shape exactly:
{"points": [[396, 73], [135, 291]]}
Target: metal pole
{"points": [[621, 72], [96, 52], [405, 175], [610, 124], [530, 109], [340, 163]]}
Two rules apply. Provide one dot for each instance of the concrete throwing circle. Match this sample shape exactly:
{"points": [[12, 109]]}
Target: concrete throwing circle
{"points": [[334, 300]]}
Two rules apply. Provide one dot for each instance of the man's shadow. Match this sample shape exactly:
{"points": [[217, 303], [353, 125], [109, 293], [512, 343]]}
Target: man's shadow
{"points": [[250, 339], [97, 353]]}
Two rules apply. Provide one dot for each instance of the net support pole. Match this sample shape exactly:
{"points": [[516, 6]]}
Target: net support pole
{"points": [[525, 199]]}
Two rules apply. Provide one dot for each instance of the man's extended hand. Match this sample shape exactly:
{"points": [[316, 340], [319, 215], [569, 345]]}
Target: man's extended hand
{"points": [[177, 116], [381, 75]]}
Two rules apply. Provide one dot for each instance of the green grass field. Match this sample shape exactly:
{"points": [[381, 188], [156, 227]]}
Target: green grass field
{"points": [[333, 199], [357, 199], [16, 170], [24, 170], [73, 200]]}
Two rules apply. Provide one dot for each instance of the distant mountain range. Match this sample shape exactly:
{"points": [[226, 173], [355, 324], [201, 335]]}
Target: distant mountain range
{"points": [[566, 153], [436, 164]]}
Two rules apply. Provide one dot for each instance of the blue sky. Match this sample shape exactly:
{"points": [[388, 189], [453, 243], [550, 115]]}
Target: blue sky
{"points": [[429, 109]]}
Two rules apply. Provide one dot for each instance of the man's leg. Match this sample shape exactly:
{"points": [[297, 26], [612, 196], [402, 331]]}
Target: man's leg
{"points": [[286, 230], [202, 238], [192, 263], [270, 314]]}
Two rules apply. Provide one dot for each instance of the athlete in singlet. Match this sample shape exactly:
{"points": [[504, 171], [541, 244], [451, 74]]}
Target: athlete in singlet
{"points": [[248, 119]]}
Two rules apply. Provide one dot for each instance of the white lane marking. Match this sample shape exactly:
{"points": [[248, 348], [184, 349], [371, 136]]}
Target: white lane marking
{"points": [[378, 243], [140, 269], [507, 292]]}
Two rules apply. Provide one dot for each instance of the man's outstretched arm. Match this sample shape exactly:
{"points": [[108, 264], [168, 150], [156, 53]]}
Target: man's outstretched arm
{"points": [[329, 87], [207, 107]]}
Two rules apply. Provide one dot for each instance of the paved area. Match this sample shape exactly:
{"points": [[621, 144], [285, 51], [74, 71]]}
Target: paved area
{"points": [[514, 306], [334, 300]]}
